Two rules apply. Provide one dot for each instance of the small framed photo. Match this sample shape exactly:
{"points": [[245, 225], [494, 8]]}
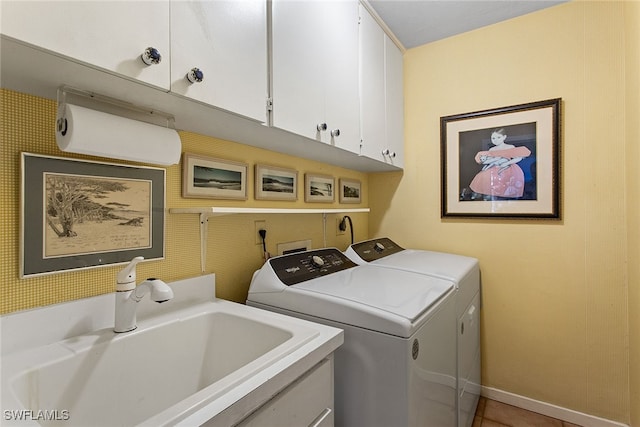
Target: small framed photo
{"points": [[350, 190], [318, 188], [83, 214], [206, 177], [502, 162], [276, 183]]}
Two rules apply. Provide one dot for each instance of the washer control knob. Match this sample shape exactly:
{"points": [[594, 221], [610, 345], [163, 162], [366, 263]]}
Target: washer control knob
{"points": [[379, 247], [317, 261]]}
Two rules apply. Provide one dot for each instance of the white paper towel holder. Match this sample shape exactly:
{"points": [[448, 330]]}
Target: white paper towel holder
{"points": [[138, 118]]}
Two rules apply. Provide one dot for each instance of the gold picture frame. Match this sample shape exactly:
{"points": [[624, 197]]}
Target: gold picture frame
{"points": [[212, 178], [319, 188], [275, 183], [350, 190]]}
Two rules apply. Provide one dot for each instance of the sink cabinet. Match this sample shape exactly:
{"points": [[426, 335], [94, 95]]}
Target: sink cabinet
{"points": [[381, 94], [86, 31], [315, 70], [306, 402], [226, 41]]}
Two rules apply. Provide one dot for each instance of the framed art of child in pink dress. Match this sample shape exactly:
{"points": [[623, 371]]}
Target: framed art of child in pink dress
{"points": [[502, 162]]}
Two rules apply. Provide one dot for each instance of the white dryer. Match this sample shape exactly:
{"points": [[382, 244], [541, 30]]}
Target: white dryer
{"points": [[464, 273], [397, 364]]}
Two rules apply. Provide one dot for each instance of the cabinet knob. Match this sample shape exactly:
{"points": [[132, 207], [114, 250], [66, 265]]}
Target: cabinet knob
{"points": [[321, 127], [389, 153], [151, 56], [195, 75], [335, 132]]}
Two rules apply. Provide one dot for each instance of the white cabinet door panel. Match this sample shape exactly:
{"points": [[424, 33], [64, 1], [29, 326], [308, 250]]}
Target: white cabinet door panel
{"points": [[372, 99], [227, 41], [298, 53], [341, 65], [306, 402], [107, 34], [394, 102], [315, 70]]}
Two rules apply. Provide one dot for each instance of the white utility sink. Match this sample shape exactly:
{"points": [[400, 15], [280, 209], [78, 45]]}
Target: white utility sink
{"points": [[203, 359]]}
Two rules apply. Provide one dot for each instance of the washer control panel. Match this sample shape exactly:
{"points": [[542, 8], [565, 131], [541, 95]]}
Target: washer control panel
{"points": [[301, 266], [372, 250]]}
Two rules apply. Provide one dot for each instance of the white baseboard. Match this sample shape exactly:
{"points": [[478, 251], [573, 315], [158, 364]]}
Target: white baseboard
{"points": [[548, 409]]}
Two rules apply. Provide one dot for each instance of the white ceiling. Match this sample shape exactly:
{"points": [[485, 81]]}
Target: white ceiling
{"points": [[416, 22]]}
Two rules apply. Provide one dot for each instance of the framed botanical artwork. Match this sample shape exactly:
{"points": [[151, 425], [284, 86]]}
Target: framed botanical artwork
{"points": [[318, 188], [207, 177], [81, 214], [502, 162], [350, 190], [276, 183]]}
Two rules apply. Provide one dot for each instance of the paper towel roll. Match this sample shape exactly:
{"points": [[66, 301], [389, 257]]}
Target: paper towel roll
{"points": [[96, 133]]}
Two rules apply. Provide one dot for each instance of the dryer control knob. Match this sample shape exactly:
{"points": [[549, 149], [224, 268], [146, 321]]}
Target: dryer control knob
{"points": [[379, 247], [317, 261]]}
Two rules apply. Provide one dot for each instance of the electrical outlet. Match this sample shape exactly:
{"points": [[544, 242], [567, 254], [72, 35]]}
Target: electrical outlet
{"points": [[338, 231], [260, 225]]}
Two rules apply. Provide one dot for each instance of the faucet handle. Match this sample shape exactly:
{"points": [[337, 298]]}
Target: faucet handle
{"points": [[126, 280]]}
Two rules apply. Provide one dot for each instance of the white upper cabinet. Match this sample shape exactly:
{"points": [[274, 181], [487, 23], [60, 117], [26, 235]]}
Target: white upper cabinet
{"points": [[372, 109], [108, 34], [311, 70], [381, 94], [394, 103], [315, 70], [225, 42], [341, 73]]}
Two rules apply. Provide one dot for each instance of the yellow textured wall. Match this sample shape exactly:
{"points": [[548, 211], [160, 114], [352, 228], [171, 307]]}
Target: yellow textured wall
{"points": [[555, 306], [632, 25], [27, 124]]}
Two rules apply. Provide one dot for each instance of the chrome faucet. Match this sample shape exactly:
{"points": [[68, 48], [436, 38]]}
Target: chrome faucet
{"points": [[128, 295]]}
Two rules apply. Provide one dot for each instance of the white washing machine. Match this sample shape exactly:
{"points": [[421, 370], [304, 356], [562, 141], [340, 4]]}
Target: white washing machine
{"points": [[464, 273], [397, 364]]}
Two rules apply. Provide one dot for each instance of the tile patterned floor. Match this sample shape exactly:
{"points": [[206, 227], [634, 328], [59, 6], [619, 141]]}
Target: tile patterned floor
{"points": [[491, 413]]}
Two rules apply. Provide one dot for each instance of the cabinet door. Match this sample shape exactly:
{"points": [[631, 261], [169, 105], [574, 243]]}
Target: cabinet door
{"points": [[342, 109], [306, 402], [227, 41], [298, 53], [372, 87], [394, 103], [108, 34]]}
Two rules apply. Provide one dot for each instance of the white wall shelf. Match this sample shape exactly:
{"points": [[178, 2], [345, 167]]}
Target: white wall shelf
{"points": [[209, 211], [218, 210]]}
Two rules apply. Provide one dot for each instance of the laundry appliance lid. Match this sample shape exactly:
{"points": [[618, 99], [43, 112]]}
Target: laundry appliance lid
{"points": [[334, 288], [383, 252], [396, 292]]}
